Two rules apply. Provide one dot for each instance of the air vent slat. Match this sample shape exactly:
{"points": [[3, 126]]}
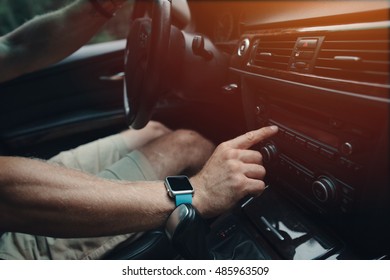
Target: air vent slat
{"points": [[359, 56], [377, 55], [376, 66], [273, 52]]}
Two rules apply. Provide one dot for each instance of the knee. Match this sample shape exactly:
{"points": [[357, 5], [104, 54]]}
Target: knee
{"points": [[194, 147], [190, 138]]}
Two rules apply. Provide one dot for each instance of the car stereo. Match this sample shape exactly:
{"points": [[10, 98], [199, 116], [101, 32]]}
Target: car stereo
{"points": [[325, 84], [329, 158], [325, 147], [333, 126]]}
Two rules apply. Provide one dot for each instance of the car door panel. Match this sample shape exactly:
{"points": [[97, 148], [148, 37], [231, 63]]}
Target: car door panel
{"points": [[64, 105]]}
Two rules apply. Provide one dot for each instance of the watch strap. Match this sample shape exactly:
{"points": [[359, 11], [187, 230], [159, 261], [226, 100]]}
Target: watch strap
{"points": [[183, 198]]}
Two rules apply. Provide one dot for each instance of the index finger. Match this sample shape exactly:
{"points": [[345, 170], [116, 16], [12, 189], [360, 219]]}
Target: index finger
{"points": [[251, 138]]}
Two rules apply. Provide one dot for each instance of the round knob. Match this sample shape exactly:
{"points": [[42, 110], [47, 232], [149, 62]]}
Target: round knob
{"points": [[269, 152], [243, 47], [324, 189], [260, 110], [348, 148]]}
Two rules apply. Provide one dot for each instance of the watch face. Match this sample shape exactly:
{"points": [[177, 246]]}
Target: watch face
{"points": [[179, 183]]}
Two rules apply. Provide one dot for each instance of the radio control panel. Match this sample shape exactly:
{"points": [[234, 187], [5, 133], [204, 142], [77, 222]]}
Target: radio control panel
{"points": [[321, 186]]}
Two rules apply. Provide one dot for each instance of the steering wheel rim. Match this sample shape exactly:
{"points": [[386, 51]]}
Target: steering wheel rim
{"points": [[145, 63]]}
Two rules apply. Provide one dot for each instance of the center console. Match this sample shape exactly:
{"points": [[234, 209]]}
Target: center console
{"points": [[327, 168]]}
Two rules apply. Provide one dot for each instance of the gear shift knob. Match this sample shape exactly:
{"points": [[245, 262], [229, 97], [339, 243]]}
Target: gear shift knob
{"points": [[187, 231]]}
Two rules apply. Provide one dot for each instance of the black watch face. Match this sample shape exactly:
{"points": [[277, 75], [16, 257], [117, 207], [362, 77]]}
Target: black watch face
{"points": [[179, 183]]}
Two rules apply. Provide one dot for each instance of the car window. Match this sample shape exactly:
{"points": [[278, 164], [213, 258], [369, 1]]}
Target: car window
{"points": [[14, 13]]}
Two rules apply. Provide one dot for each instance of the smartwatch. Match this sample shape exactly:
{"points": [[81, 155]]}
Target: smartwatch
{"points": [[180, 189]]}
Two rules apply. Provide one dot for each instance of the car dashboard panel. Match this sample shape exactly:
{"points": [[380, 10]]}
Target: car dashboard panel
{"points": [[321, 76]]}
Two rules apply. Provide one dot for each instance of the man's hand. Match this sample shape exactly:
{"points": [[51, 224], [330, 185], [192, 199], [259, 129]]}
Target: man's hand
{"points": [[231, 173]]}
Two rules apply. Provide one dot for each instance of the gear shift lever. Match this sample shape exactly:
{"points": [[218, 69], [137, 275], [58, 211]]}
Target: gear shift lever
{"points": [[187, 231]]}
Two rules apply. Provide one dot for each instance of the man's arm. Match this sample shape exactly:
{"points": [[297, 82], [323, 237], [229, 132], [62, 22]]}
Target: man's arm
{"points": [[45, 199], [48, 38]]}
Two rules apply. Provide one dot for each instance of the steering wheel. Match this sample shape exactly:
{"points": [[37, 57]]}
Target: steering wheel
{"points": [[146, 62]]}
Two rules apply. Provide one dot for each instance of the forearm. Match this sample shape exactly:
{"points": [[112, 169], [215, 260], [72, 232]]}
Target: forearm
{"points": [[48, 38], [39, 198]]}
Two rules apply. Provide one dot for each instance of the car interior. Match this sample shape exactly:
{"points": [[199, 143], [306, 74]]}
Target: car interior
{"points": [[319, 70]]}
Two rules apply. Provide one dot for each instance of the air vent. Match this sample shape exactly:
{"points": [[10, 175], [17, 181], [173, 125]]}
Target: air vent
{"points": [[273, 52], [359, 56]]}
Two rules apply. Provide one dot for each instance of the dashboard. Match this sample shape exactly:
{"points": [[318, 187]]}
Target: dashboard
{"points": [[320, 71]]}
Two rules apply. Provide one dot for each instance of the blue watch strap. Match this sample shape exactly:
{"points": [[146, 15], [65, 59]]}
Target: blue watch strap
{"points": [[183, 198]]}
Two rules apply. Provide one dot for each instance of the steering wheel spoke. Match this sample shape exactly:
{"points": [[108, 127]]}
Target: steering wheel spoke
{"points": [[146, 62]]}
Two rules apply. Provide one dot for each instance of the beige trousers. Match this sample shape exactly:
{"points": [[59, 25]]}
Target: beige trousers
{"points": [[108, 158]]}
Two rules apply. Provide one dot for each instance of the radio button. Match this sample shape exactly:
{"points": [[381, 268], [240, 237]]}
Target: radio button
{"points": [[357, 167], [291, 168], [343, 162], [346, 201], [269, 153], [280, 133], [312, 147], [297, 172], [289, 136], [308, 178], [307, 43], [348, 148], [324, 189], [348, 191], [327, 154], [300, 141], [346, 205]]}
